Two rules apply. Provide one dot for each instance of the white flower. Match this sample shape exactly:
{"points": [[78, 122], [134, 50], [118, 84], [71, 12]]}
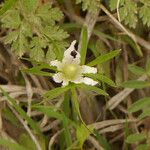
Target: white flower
{"points": [[70, 70]]}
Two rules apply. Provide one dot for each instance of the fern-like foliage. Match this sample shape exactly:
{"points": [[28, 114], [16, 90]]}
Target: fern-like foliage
{"points": [[128, 13], [113, 4], [91, 5], [145, 12], [130, 10], [34, 30]]}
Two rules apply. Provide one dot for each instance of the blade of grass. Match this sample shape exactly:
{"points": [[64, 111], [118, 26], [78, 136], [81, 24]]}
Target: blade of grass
{"points": [[84, 43]]}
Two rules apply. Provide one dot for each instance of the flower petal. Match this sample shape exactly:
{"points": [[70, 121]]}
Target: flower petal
{"points": [[56, 63], [71, 55], [58, 77], [65, 82], [88, 69], [78, 80], [89, 81]]}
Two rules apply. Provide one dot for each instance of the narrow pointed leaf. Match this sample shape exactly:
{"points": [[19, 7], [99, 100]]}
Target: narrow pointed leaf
{"points": [[135, 84], [136, 70], [140, 104], [84, 35], [93, 88], [103, 58], [56, 92]]}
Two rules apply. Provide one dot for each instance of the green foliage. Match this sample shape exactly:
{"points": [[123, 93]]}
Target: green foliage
{"points": [[135, 137], [84, 44], [144, 12], [102, 78], [8, 115], [102, 140], [82, 134], [140, 104], [88, 4], [26, 141], [143, 147], [128, 13], [56, 92], [136, 70], [130, 10], [93, 89], [34, 30], [136, 84], [148, 66], [103, 58], [11, 145], [8, 4], [113, 4]]}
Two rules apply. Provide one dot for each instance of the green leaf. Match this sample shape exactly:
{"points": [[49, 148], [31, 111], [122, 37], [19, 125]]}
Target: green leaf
{"points": [[37, 53], [50, 55], [140, 104], [113, 4], [82, 134], [92, 88], [148, 66], [30, 5], [145, 113], [136, 70], [102, 141], [67, 133], [135, 84], [102, 78], [56, 92], [20, 45], [144, 13], [7, 6], [26, 141], [84, 35], [55, 33], [11, 37], [137, 137], [128, 13], [143, 147], [11, 145], [133, 44], [49, 111], [38, 71], [75, 103], [103, 58], [49, 15], [8, 115], [92, 6], [11, 19]]}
